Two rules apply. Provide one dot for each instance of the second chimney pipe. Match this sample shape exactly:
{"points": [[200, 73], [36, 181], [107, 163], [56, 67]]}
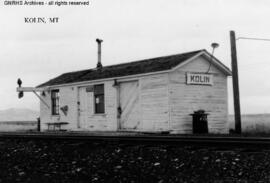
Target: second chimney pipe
{"points": [[99, 64]]}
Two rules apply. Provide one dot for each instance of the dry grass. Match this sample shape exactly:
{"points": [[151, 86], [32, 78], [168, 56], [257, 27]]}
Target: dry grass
{"points": [[253, 123]]}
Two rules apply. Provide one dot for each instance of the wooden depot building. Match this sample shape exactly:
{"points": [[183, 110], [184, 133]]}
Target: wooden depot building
{"points": [[152, 95]]}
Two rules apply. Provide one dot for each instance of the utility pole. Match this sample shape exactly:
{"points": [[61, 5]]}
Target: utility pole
{"points": [[236, 98]]}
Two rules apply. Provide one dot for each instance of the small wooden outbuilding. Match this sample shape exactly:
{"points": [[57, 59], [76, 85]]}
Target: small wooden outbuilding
{"points": [[152, 95]]}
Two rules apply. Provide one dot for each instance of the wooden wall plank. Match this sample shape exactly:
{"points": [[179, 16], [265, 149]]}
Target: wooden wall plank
{"points": [[185, 99]]}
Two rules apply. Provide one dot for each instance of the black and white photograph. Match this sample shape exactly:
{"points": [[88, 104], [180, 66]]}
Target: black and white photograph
{"points": [[134, 91]]}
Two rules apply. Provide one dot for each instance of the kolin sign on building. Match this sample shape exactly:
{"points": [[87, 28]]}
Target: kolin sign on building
{"points": [[199, 79]]}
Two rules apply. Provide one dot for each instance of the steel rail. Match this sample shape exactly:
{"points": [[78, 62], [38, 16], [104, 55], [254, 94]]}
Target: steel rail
{"points": [[143, 138]]}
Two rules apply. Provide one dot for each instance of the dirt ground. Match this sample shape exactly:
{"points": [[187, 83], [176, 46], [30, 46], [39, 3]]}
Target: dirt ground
{"points": [[74, 161]]}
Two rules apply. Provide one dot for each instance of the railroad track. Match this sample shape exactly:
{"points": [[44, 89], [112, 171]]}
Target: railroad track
{"points": [[143, 138]]}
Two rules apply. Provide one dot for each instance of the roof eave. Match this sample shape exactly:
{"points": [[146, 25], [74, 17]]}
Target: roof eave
{"points": [[104, 79], [218, 63]]}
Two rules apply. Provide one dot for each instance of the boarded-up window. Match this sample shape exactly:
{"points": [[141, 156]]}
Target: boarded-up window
{"points": [[99, 99], [55, 102]]}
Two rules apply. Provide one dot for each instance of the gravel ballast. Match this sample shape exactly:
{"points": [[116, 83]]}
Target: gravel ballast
{"points": [[74, 161]]}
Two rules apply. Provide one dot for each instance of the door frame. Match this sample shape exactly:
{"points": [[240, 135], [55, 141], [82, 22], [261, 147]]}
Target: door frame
{"points": [[80, 122], [118, 100]]}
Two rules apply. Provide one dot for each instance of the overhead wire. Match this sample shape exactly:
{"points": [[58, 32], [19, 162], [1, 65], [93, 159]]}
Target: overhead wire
{"points": [[250, 66], [256, 39]]}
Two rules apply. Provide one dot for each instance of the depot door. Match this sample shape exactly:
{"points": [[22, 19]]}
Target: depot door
{"points": [[85, 106], [129, 104]]}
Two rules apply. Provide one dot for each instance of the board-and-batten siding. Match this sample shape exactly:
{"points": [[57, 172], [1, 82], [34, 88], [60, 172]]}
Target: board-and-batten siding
{"points": [[70, 95], [154, 102], [185, 99], [98, 122]]}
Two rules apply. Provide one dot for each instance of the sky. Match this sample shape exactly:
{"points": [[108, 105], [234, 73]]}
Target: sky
{"points": [[133, 30]]}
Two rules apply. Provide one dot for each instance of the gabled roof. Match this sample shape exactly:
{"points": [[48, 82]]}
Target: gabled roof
{"points": [[126, 69]]}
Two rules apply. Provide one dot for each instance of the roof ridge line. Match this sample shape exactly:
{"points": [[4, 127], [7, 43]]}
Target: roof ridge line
{"points": [[122, 69], [147, 59]]}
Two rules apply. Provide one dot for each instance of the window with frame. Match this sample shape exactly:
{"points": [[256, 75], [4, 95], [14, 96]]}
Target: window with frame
{"points": [[99, 99], [55, 102]]}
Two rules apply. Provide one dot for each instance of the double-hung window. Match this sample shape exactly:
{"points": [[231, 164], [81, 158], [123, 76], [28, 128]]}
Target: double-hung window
{"points": [[99, 99], [55, 102]]}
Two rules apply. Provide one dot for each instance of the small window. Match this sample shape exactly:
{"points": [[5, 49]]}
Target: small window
{"points": [[99, 99], [55, 102]]}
